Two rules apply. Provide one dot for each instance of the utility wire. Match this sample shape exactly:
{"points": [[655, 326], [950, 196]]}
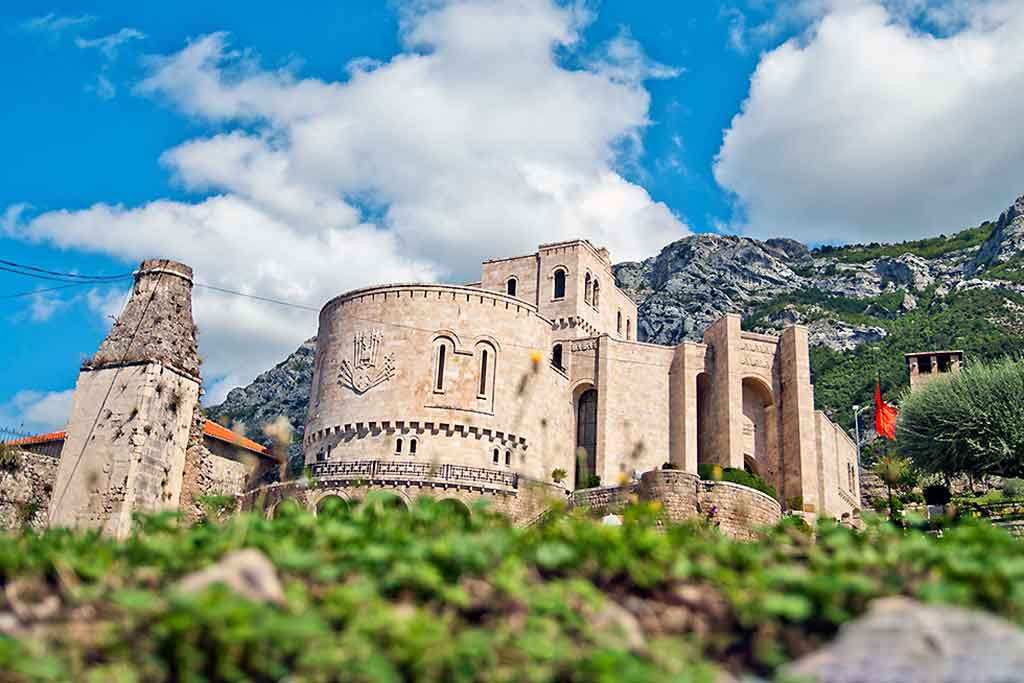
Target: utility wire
{"points": [[46, 289], [73, 276]]}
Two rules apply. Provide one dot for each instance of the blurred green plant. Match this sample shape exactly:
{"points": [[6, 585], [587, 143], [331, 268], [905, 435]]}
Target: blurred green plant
{"points": [[429, 595]]}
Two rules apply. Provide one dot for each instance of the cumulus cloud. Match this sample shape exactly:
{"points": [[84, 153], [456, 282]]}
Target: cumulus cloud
{"points": [[37, 411], [882, 121], [474, 141]]}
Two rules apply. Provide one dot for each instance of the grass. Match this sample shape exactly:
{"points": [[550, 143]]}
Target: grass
{"points": [[426, 595]]}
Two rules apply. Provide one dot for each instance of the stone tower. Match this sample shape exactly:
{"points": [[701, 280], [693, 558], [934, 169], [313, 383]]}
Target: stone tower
{"points": [[133, 409]]}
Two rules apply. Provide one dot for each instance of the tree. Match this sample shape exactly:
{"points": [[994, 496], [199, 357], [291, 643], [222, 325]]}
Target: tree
{"points": [[971, 423], [896, 473]]}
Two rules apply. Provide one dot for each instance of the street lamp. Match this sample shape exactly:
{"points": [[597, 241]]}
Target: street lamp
{"points": [[857, 410]]}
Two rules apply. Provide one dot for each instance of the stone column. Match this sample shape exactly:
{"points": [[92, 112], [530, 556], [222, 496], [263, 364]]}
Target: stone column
{"points": [[683, 409], [799, 454], [133, 409], [726, 392]]}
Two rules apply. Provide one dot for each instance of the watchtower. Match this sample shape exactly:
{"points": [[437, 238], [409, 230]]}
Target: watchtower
{"points": [[925, 366]]}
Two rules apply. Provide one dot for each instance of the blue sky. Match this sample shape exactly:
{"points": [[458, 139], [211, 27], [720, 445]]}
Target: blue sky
{"points": [[297, 151]]}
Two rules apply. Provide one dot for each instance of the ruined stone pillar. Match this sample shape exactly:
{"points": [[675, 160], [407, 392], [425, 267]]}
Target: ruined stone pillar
{"points": [[799, 452], [133, 409]]}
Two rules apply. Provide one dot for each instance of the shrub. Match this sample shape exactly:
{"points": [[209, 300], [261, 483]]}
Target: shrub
{"points": [[431, 596], [558, 475], [912, 497], [668, 466], [734, 475], [592, 481], [972, 422], [9, 461]]}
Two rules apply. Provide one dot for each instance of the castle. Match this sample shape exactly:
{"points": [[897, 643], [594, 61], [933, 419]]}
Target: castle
{"points": [[525, 387]]}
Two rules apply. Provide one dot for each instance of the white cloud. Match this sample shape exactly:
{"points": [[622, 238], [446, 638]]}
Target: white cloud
{"points": [[108, 45], [37, 411], [55, 23], [104, 88], [473, 142], [867, 128]]}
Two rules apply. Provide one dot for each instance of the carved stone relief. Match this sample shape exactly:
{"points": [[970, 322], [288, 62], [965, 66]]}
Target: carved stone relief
{"points": [[369, 367]]}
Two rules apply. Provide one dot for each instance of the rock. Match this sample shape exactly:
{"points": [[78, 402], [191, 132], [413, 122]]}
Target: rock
{"points": [[903, 641], [247, 572], [32, 600], [281, 391], [909, 303], [907, 270], [614, 616], [1006, 240]]}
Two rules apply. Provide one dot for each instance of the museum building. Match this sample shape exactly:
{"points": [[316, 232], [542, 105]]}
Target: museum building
{"points": [[535, 370]]}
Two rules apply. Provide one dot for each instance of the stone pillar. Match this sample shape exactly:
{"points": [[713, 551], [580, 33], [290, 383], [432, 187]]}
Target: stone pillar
{"points": [[683, 410], [799, 455], [726, 392], [133, 409]]}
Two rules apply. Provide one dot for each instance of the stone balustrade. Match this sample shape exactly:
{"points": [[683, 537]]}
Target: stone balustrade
{"points": [[385, 472]]}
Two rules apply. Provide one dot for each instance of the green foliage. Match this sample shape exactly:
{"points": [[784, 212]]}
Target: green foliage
{"points": [[426, 595], [736, 476], [591, 481], [931, 247], [1011, 270], [968, 320], [968, 423], [558, 475], [897, 473]]}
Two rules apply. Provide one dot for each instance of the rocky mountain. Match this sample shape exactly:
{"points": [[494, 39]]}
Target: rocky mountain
{"points": [[282, 390], [865, 305]]}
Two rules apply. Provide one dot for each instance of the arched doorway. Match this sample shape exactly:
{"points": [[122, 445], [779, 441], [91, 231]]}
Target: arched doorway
{"points": [[332, 506], [455, 508], [758, 409], [586, 437], [286, 508], [384, 501]]}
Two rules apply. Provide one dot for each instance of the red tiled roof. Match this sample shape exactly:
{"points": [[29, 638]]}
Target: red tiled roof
{"points": [[216, 431], [40, 438], [210, 429]]}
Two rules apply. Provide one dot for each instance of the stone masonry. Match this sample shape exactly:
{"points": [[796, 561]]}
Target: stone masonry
{"points": [[133, 409], [535, 369]]}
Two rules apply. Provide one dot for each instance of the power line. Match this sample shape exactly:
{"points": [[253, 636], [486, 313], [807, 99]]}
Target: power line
{"points": [[46, 289], [55, 273]]}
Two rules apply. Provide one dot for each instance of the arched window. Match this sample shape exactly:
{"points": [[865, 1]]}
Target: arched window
{"points": [[618, 323], [559, 292], [586, 288], [497, 456], [439, 362], [556, 356], [398, 446], [629, 329], [510, 286], [412, 446], [595, 296], [483, 372], [508, 458]]}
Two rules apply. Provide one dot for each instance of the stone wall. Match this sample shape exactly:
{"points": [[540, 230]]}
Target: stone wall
{"points": [[737, 510], [375, 381], [531, 501], [605, 500], [25, 491], [674, 489]]}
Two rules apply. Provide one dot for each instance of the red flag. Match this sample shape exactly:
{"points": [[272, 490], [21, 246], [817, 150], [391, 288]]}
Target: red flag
{"points": [[885, 415]]}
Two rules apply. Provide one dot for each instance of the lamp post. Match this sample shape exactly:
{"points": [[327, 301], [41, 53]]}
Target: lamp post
{"points": [[857, 410]]}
